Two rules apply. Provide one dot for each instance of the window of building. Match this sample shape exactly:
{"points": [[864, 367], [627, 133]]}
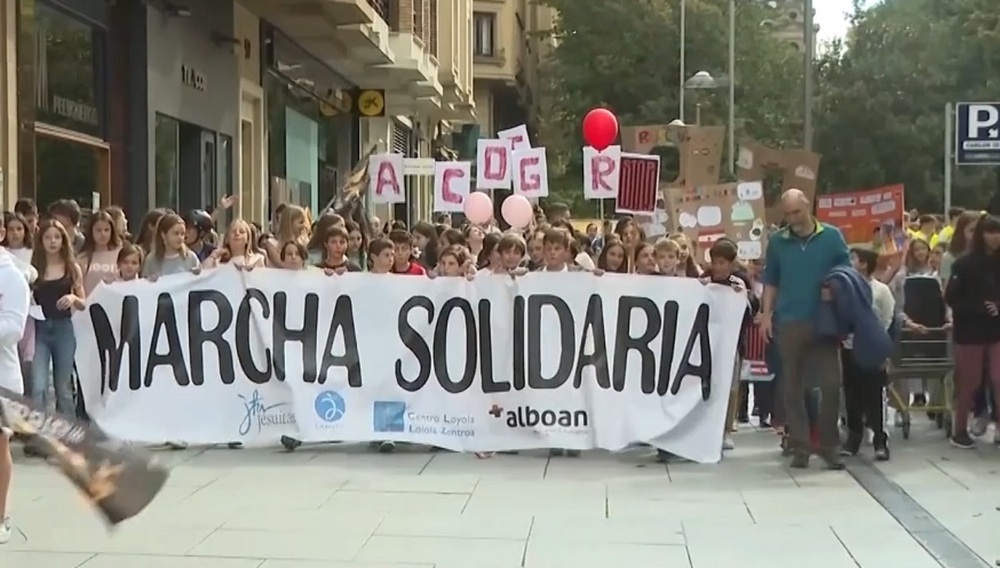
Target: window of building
{"points": [[69, 62], [192, 167], [485, 28]]}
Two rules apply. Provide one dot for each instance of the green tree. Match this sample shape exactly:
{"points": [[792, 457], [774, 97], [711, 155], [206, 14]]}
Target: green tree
{"points": [[625, 55], [880, 111]]}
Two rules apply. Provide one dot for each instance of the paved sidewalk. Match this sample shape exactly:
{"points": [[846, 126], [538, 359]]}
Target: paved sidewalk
{"points": [[341, 506]]}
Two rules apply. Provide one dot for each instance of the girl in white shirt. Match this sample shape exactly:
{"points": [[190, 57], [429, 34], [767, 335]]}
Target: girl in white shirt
{"points": [[239, 248]]}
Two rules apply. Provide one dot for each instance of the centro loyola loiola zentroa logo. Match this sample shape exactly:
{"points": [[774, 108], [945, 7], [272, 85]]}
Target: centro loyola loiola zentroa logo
{"points": [[528, 417]]}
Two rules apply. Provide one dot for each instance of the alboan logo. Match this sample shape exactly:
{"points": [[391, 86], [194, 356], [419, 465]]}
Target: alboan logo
{"points": [[528, 417]]}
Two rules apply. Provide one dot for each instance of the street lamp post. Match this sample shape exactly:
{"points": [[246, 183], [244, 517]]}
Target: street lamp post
{"points": [[810, 51], [731, 149], [683, 76], [704, 80]]}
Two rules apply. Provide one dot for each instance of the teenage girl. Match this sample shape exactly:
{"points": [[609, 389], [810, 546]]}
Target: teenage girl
{"points": [[644, 259], [58, 291], [239, 248], [147, 230], [612, 258], [99, 254], [686, 257], [294, 256], [293, 226], [170, 255]]}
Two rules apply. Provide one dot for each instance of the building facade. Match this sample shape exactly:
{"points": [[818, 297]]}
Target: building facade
{"points": [[166, 103], [789, 22]]}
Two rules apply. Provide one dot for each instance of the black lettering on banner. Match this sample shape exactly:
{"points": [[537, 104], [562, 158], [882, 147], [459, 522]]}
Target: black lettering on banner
{"points": [[109, 352], [534, 339], [306, 335], [671, 309], [593, 324], [519, 341], [699, 335], [342, 323], [640, 344], [415, 343], [198, 336], [166, 322], [441, 346], [486, 350], [244, 347]]}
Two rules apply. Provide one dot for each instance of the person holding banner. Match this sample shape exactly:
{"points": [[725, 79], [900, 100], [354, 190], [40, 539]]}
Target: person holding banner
{"points": [[14, 302]]}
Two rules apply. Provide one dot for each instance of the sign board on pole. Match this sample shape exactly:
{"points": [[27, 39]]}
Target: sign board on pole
{"points": [[977, 134]]}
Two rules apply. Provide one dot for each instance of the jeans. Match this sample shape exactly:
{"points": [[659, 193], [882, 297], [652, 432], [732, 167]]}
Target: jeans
{"points": [[55, 345]]}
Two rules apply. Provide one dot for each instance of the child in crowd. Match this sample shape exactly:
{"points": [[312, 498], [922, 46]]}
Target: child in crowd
{"points": [[644, 259], [17, 241], [612, 258], [239, 248], [67, 212], [488, 261], [18, 238], [357, 244], [556, 252], [453, 261], [404, 262], [170, 254], [293, 225], [536, 251], [685, 256], [99, 254], [147, 230], [336, 261], [382, 254], [129, 262], [198, 237], [294, 255], [511, 250], [26, 208], [668, 257], [863, 388], [320, 231]]}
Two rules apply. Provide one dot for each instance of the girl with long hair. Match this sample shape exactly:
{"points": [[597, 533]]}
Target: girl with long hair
{"points": [[631, 236], [98, 256], [425, 240], [613, 258], [686, 258], [357, 244], [239, 248], [147, 229], [170, 255], [293, 225], [120, 221], [57, 292], [17, 239], [960, 243], [317, 243], [488, 259], [475, 239], [973, 293]]}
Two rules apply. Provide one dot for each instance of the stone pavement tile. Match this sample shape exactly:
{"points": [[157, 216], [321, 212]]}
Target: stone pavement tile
{"points": [[979, 534], [571, 532], [873, 547], [605, 466], [458, 484], [399, 503], [144, 561], [730, 512], [815, 506], [90, 536], [328, 564], [766, 547], [601, 555], [514, 526], [323, 521], [19, 559], [261, 498], [554, 498], [474, 552], [276, 542], [525, 466]]}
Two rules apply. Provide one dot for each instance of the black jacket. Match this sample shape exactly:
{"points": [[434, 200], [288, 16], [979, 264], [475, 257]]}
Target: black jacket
{"points": [[975, 280], [753, 305]]}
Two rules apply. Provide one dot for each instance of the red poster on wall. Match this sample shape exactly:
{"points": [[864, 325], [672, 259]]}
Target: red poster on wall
{"points": [[862, 214]]}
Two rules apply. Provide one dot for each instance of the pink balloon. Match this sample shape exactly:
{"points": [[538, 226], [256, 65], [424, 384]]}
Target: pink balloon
{"points": [[517, 211], [600, 128], [478, 208]]}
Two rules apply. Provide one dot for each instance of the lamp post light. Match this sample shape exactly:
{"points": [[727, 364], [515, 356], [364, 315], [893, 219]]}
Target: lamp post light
{"points": [[703, 80]]}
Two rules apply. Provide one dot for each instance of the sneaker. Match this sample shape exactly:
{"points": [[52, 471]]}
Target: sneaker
{"points": [[800, 461], [764, 424], [963, 440], [979, 425], [833, 462], [235, 445], [556, 452], [882, 453], [852, 446], [290, 443], [727, 443], [743, 419], [5, 530], [387, 447]]}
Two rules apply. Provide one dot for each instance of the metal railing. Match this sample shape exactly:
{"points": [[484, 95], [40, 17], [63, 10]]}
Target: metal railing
{"points": [[381, 7]]}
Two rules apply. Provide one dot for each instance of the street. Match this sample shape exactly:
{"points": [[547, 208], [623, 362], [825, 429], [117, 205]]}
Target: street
{"points": [[342, 506]]}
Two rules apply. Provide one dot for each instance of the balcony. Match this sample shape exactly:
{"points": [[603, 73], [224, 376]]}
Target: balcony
{"points": [[411, 64], [292, 15]]}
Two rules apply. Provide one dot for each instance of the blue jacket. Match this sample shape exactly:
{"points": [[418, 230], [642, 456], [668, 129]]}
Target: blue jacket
{"points": [[850, 311]]}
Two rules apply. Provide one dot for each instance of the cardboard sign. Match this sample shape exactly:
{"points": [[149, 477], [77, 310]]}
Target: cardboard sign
{"points": [[699, 149], [638, 184], [531, 173], [731, 210], [861, 215], [386, 178], [452, 183], [493, 164], [516, 137], [798, 169], [601, 172]]}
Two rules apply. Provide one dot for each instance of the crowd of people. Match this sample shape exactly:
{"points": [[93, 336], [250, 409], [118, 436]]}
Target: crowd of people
{"points": [[51, 260]]}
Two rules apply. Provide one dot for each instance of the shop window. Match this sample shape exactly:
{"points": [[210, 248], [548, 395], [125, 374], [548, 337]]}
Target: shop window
{"points": [[167, 167], [485, 28], [69, 62]]}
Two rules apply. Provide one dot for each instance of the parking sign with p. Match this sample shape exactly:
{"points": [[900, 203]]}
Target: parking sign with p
{"points": [[977, 134]]}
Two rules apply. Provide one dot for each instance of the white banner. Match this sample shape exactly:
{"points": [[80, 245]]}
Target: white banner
{"points": [[567, 360]]}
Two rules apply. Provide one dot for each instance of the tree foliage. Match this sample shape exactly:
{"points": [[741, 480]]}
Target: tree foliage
{"points": [[881, 97], [625, 55]]}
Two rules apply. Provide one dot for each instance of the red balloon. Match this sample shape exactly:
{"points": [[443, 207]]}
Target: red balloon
{"points": [[600, 128]]}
